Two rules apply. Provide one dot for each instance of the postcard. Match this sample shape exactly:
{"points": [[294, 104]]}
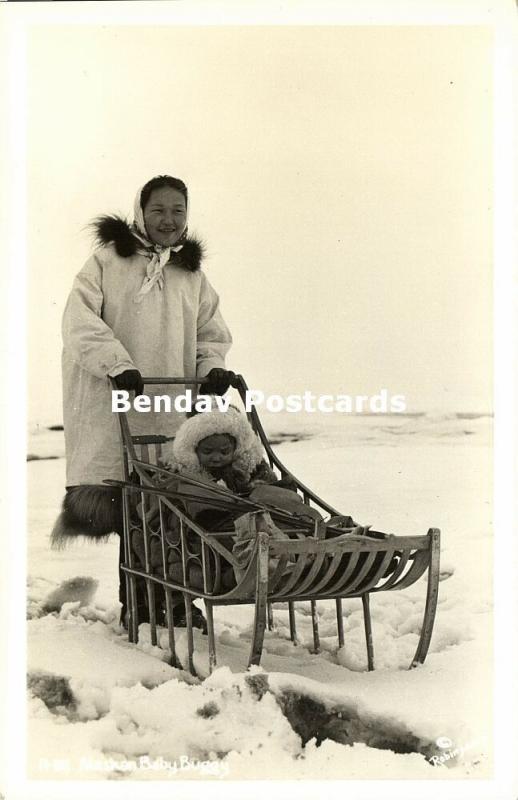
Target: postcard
{"points": [[259, 272]]}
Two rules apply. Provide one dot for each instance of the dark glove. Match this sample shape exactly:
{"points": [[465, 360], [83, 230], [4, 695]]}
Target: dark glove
{"points": [[131, 380], [217, 381]]}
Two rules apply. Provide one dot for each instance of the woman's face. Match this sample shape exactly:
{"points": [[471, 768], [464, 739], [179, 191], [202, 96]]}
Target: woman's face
{"points": [[216, 452], [165, 216]]}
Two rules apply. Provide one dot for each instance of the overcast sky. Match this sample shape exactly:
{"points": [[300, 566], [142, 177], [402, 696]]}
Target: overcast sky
{"points": [[340, 177]]}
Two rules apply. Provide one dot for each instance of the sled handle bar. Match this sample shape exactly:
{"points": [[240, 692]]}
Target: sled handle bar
{"points": [[164, 381], [173, 381]]}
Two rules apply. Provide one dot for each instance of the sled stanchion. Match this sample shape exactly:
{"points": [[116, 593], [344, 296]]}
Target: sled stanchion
{"points": [[340, 622], [170, 628], [261, 593], [270, 616], [293, 627], [152, 611], [133, 611], [149, 586], [124, 557], [131, 581], [432, 593], [368, 631], [190, 636], [126, 613], [314, 622], [210, 634]]}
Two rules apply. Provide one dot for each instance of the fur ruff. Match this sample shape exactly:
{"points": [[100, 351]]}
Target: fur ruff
{"points": [[111, 228], [79, 589], [180, 455], [91, 511]]}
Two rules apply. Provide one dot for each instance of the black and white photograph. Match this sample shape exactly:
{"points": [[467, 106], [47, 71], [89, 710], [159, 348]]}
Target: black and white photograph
{"points": [[259, 409]]}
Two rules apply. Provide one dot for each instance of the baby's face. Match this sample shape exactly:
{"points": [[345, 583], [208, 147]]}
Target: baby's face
{"points": [[216, 452]]}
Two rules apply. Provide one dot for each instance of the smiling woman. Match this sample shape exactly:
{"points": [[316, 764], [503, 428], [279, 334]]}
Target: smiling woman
{"points": [[141, 305]]}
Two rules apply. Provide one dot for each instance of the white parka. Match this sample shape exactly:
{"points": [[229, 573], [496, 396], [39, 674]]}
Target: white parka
{"points": [[176, 329]]}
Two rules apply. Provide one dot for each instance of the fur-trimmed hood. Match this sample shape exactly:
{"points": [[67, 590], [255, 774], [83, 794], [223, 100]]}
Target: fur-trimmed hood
{"points": [[180, 454], [114, 229]]}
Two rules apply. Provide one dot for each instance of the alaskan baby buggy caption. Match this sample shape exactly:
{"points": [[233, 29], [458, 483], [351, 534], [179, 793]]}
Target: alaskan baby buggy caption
{"points": [[172, 556]]}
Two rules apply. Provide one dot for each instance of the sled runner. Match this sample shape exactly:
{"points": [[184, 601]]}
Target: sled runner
{"points": [[170, 557]]}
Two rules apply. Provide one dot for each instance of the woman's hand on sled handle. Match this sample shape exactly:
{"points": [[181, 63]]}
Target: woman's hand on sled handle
{"points": [[217, 381], [131, 381]]}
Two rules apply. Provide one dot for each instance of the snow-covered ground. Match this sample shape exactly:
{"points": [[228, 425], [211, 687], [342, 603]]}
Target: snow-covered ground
{"points": [[123, 712]]}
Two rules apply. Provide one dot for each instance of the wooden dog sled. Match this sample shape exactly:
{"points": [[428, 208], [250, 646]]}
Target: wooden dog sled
{"points": [[317, 562]]}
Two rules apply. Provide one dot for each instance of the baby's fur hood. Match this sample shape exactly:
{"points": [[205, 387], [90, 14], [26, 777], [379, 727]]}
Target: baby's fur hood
{"points": [[112, 228], [180, 455]]}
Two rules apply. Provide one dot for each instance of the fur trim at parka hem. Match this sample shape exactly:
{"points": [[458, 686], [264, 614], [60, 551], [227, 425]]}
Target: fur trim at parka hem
{"points": [[110, 228], [90, 511]]}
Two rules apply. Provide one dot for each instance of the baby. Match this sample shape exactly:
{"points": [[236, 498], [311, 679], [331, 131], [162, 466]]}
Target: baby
{"points": [[216, 454], [221, 446]]}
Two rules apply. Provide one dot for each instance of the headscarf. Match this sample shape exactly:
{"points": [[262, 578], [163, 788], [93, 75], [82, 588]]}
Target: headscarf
{"points": [[158, 254]]}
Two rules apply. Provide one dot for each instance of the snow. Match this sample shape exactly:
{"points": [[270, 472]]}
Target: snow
{"points": [[134, 716]]}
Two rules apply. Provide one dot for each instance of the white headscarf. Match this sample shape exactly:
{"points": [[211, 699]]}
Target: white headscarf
{"points": [[158, 254]]}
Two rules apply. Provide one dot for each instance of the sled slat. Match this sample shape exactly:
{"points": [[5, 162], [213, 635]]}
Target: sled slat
{"points": [[291, 580], [417, 569], [313, 572], [277, 575], [331, 569], [355, 580], [337, 587], [363, 582], [403, 561]]}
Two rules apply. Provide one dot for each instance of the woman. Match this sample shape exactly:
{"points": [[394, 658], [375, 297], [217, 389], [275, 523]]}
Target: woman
{"points": [[140, 306]]}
